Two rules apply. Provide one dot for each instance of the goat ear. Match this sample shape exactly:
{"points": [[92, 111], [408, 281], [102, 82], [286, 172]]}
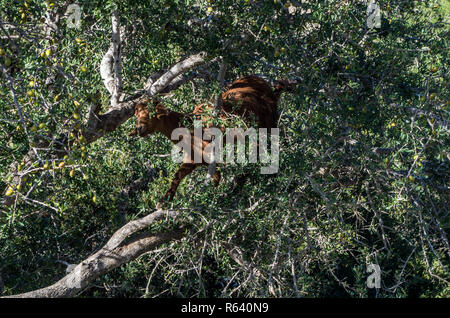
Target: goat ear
{"points": [[133, 133]]}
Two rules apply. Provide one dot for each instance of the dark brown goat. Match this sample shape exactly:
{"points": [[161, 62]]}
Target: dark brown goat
{"points": [[247, 97]]}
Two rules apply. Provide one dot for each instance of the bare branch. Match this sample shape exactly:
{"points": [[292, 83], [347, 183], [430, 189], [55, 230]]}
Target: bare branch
{"points": [[111, 65], [106, 71], [216, 111], [115, 253], [117, 56], [174, 71]]}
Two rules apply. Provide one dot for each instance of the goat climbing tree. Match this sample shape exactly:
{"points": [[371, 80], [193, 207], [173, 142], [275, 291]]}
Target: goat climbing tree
{"points": [[363, 176]]}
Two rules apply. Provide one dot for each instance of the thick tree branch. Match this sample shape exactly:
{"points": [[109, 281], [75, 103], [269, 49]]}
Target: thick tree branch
{"points": [[177, 69], [106, 71], [111, 65], [116, 116], [117, 56], [216, 111], [114, 254]]}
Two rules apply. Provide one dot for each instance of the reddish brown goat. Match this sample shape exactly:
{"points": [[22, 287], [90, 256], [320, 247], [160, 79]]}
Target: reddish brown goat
{"points": [[246, 97]]}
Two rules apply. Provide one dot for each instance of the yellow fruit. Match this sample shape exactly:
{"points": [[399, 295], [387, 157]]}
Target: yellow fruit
{"points": [[432, 96], [9, 192], [76, 103], [415, 157], [48, 52], [62, 164], [78, 40], [31, 93], [57, 98], [94, 199], [2, 52], [283, 50], [82, 139], [46, 166], [76, 116], [393, 125], [72, 173], [210, 9], [266, 28], [7, 61], [411, 178], [85, 177], [434, 69], [83, 69], [18, 187], [31, 84]]}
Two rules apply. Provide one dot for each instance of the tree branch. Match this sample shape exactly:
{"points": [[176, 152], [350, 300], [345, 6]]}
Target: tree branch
{"points": [[174, 71], [216, 111], [111, 65], [114, 254]]}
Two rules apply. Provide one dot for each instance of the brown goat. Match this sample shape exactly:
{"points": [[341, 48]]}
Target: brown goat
{"points": [[246, 97]]}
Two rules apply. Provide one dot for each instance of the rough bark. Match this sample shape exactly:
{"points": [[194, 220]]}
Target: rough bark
{"points": [[177, 69], [216, 111], [116, 252]]}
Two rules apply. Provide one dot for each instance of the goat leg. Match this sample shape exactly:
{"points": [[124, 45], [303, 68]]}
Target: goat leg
{"points": [[183, 171], [216, 178]]}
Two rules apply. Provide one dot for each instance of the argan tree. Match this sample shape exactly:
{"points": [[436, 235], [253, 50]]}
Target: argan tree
{"points": [[364, 161]]}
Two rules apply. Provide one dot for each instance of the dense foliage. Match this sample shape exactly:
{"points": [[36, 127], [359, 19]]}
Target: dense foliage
{"points": [[364, 161]]}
